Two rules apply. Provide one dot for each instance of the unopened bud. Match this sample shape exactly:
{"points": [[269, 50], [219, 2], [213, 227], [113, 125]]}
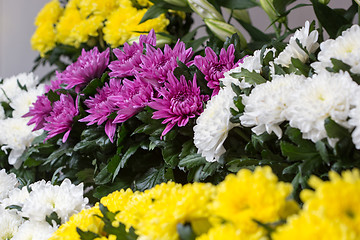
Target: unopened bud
{"points": [[205, 10], [223, 30], [240, 14], [269, 8], [327, 1], [161, 40], [179, 3]]}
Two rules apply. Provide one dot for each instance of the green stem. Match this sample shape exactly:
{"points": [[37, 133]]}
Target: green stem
{"points": [[241, 134]]}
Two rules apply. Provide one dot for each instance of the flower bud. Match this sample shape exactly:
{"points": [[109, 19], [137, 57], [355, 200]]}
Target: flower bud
{"points": [[205, 10], [358, 2], [327, 1], [223, 30], [179, 3], [269, 8]]}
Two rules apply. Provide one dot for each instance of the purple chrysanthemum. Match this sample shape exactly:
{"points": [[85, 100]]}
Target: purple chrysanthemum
{"points": [[129, 59], [54, 84], [88, 66], [100, 107], [39, 111], [156, 64], [134, 96], [213, 67], [181, 100], [61, 117]]}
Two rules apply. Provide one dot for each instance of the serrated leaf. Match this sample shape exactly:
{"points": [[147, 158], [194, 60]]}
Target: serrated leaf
{"points": [[236, 164], [150, 178], [153, 12], [192, 160], [296, 153], [250, 77], [339, 65], [52, 96], [302, 67], [103, 177], [86, 235], [91, 88], [187, 148], [170, 155], [53, 217], [321, 148]]}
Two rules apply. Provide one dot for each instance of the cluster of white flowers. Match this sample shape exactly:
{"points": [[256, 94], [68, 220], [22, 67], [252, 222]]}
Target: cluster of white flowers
{"points": [[19, 92], [304, 102], [34, 206]]}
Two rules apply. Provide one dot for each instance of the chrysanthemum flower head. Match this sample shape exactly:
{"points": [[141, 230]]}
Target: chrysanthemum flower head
{"points": [[34, 230], [213, 125], [129, 58], [9, 223], [354, 120], [322, 96], [49, 13], [156, 64], [86, 220], [180, 100], [24, 100], [213, 67], [65, 199], [345, 48], [265, 106], [88, 66], [133, 97], [100, 107], [307, 39], [7, 183], [123, 24], [44, 38], [250, 196], [38, 112], [61, 117]]}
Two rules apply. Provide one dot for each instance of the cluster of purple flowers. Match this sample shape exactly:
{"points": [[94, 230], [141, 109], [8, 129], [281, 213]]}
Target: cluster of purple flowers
{"points": [[141, 76]]}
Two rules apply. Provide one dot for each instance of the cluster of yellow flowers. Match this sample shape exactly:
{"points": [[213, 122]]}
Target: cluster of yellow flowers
{"points": [[225, 211], [232, 209], [114, 21]]}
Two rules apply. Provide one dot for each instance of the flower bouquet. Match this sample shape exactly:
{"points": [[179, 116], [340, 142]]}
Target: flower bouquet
{"points": [[156, 131]]}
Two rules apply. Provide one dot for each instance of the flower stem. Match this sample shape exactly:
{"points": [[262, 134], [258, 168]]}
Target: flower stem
{"points": [[241, 134]]}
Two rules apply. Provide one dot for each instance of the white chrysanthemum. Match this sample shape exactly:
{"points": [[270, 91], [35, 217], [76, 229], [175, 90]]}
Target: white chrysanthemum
{"points": [[7, 183], [213, 125], [9, 223], [345, 48], [11, 87], [24, 100], [16, 135], [293, 50], [32, 230], [354, 121], [2, 112], [16, 197], [265, 106], [44, 199], [324, 95], [251, 63]]}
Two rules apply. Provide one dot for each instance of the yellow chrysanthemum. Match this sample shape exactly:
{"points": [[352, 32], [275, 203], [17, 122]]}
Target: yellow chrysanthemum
{"points": [[43, 38], [228, 231], [67, 21], [124, 24], [253, 195], [85, 220], [84, 29], [337, 199], [180, 205], [117, 201], [309, 226], [49, 13], [97, 7]]}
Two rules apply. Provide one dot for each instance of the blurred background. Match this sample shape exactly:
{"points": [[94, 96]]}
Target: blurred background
{"points": [[16, 27]]}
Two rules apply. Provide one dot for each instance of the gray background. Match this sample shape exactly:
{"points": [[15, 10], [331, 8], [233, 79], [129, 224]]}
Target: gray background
{"points": [[16, 28]]}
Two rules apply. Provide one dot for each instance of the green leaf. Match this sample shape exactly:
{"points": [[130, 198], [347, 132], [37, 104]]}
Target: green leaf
{"points": [[91, 88], [185, 231], [296, 153], [17, 207], [187, 148], [171, 155], [280, 5], [250, 77], [104, 190], [150, 178], [153, 12], [192, 160], [338, 66], [321, 148], [52, 96], [236, 4], [236, 164], [86, 235], [334, 130], [53, 217], [331, 20], [303, 68], [255, 33], [103, 177]]}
